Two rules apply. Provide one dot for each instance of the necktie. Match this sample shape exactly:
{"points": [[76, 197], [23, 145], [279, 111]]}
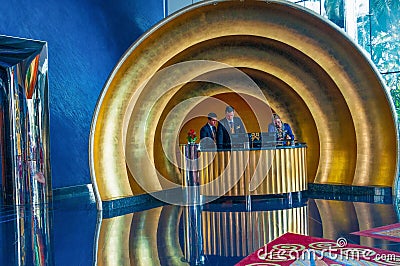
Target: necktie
{"points": [[213, 133], [232, 127]]}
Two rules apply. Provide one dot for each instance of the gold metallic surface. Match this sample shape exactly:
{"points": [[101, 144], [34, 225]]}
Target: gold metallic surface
{"points": [[366, 215], [337, 217], [133, 238], [113, 243], [232, 234], [336, 214], [309, 71], [171, 253], [288, 172], [143, 236]]}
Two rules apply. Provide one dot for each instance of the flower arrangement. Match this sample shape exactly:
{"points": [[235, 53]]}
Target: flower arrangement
{"points": [[191, 136]]}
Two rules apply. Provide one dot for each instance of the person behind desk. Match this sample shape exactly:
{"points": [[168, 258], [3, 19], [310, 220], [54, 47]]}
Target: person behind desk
{"points": [[228, 126], [208, 133], [283, 131]]}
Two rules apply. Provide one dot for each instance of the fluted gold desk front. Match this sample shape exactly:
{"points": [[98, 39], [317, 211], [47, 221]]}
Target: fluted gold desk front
{"points": [[240, 172]]}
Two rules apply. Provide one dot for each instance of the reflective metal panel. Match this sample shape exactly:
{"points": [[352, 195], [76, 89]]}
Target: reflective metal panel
{"points": [[25, 119], [28, 237], [24, 116]]}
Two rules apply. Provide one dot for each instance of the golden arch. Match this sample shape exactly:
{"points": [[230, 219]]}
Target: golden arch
{"points": [[310, 72]]}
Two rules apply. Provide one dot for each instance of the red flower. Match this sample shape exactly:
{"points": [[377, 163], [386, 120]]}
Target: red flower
{"points": [[191, 137]]}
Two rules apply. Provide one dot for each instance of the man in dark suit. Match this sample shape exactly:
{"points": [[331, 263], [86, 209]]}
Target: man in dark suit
{"points": [[208, 133], [228, 126]]}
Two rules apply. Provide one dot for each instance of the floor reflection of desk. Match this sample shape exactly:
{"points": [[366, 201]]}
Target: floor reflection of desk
{"points": [[278, 170], [241, 233]]}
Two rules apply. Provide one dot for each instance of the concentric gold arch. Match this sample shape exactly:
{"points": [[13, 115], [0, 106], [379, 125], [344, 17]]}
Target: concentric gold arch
{"points": [[317, 79]]}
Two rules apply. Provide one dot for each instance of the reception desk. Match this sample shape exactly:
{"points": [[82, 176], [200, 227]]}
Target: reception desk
{"points": [[261, 171]]}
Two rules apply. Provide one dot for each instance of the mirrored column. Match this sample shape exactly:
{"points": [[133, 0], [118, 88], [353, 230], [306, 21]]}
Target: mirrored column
{"points": [[24, 140]]}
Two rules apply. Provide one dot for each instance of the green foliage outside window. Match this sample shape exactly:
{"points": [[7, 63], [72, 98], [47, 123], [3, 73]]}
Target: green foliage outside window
{"points": [[395, 93], [379, 34]]}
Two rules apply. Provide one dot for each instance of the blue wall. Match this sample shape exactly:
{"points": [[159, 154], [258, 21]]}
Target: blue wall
{"points": [[85, 41]]}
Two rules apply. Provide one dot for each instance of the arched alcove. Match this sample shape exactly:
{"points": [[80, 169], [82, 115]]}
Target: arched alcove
{"points": [[306, 68]]}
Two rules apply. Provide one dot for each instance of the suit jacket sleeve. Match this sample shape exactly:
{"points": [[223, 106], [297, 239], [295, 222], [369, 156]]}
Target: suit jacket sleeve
{"points": [[220, 134], [289, 131], [203, 132]]}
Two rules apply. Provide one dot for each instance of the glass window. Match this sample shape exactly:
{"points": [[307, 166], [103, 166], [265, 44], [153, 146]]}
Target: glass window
{"points": [[373, 24]]}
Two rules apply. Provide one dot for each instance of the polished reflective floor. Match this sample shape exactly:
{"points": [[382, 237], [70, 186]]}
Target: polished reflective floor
{"points": [[72, 232]]}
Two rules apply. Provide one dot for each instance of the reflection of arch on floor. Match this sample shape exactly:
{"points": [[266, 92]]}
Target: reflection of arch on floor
{"points": [[146, 233], [308, 70]]}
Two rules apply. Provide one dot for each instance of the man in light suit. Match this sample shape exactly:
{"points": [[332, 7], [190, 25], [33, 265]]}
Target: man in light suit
{"points": [[208, 133], [228, 126]]}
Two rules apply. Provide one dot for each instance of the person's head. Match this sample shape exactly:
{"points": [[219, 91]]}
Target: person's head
{"points": [[277, 121], [275, 116], [229, 113], [212, 119]]}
